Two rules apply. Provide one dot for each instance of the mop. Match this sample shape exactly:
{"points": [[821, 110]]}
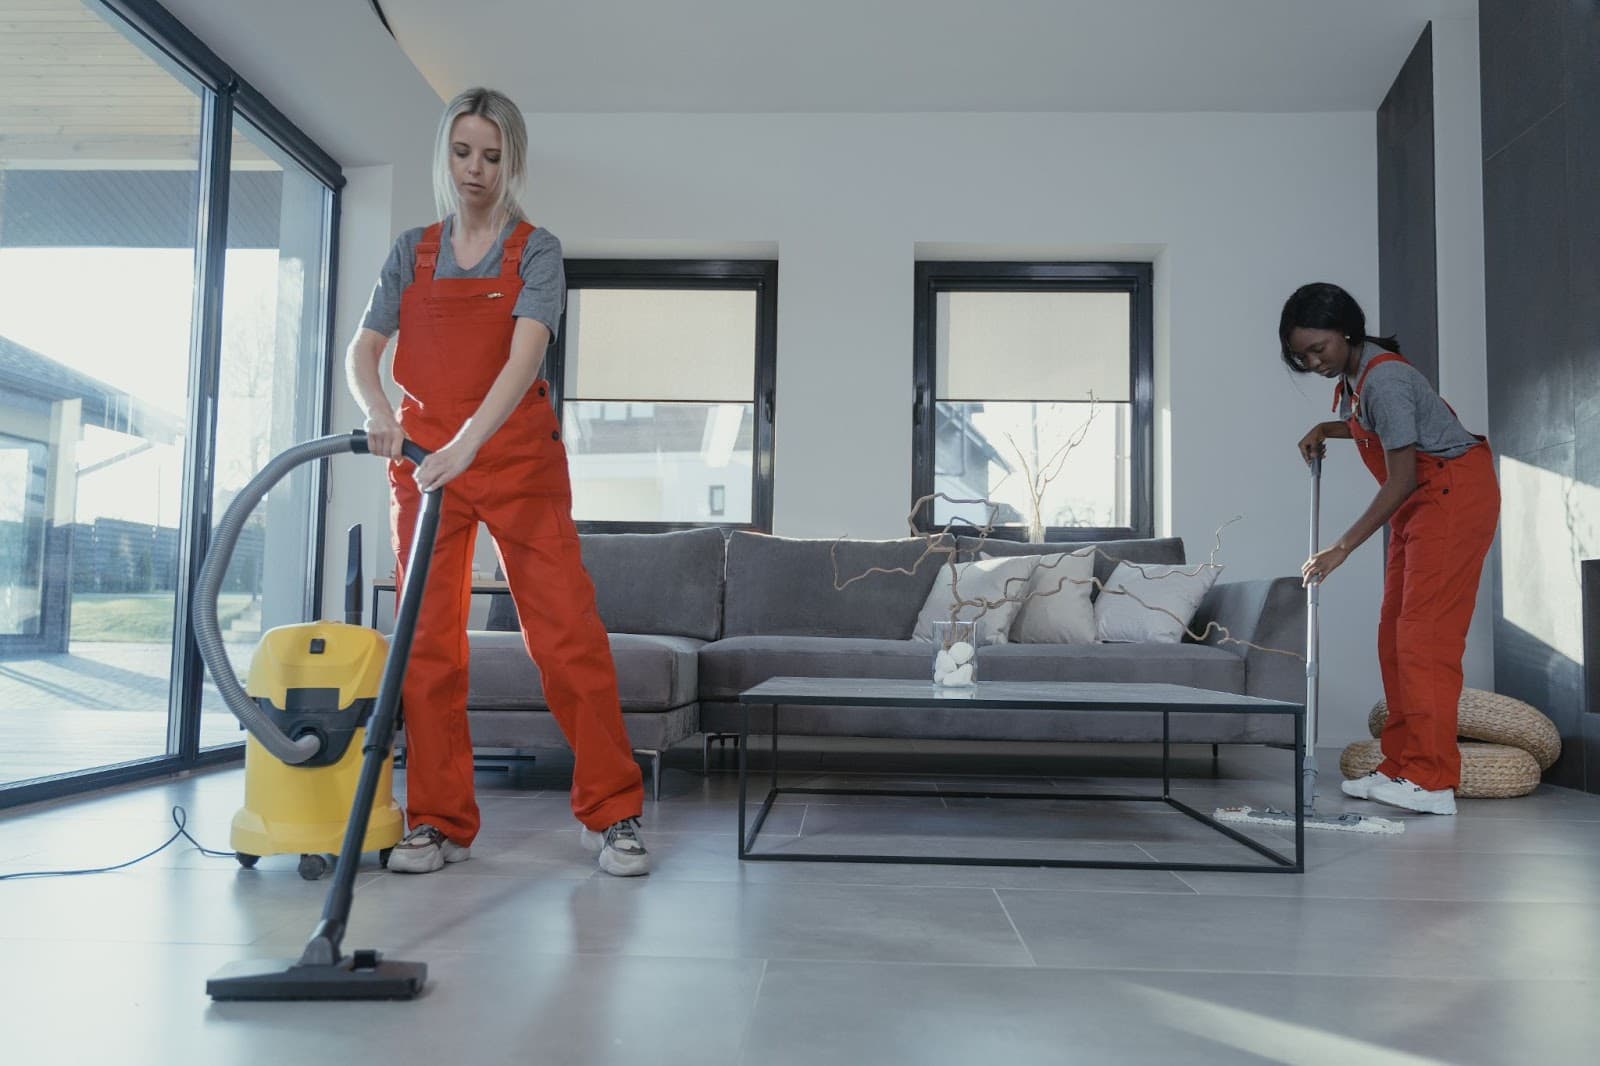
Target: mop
{"points": [[1271, 816]]}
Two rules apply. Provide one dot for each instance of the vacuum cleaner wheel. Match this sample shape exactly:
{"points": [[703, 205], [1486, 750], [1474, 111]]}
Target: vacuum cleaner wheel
{"points": [[313, 866]]}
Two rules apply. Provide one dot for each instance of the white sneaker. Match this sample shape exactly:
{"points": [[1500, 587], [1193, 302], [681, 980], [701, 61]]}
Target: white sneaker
{"points": [[424, 850], [1361, 787], [1402, 793], [622, 853]]}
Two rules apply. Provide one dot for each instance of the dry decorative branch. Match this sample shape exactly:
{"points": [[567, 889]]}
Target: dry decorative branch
{"points": [[942, 543], [1039, 481]]}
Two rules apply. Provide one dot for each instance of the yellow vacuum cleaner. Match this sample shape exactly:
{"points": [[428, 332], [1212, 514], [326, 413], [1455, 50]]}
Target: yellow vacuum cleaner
{"points": [[321, 679], [320, 703]]}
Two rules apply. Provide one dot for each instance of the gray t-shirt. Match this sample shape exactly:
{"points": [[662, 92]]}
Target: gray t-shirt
{"points": [[1399, 405], [544, 280]]}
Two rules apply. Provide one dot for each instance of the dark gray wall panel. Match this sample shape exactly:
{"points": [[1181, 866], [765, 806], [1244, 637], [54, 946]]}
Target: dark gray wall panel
{"points": [[1526, 274], [1408, 275], [1583, 205], [1540, 68], [1521, 45]]}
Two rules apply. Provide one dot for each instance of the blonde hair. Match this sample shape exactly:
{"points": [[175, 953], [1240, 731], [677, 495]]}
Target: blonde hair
{"points": [[497, 108]]}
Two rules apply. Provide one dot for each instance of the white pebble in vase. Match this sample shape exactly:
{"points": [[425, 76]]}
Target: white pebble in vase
{"points": [[961, 653], [960, 677], [945, 662]]}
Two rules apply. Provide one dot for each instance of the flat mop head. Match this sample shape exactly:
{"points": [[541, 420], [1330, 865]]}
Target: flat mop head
{"points": [[1343, 823]]}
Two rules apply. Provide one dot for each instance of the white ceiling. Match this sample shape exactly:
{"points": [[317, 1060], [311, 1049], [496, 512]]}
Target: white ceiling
{"points": [[326, 64], [918, 55]]}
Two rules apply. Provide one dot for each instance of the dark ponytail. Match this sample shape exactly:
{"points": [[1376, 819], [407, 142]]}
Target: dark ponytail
{"points": [[1324, 306]]}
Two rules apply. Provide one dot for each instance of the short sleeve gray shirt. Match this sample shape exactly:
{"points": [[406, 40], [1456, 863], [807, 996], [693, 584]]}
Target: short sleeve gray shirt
{"points": [[544, 282], [1402, 408]]}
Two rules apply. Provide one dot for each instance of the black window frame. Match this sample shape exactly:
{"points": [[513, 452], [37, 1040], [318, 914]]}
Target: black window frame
{"points": [[1137, 279], [757, 275]]}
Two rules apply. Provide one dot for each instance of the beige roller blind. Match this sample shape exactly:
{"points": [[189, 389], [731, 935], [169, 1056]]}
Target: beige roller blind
{"points": [[1040, 346], [661, 344]]}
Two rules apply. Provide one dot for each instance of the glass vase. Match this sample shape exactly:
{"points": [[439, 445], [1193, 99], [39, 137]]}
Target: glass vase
{"points": [[955, 654]]}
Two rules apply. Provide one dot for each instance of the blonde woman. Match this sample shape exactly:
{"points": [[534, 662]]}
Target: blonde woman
{"points": [[476, 298]]}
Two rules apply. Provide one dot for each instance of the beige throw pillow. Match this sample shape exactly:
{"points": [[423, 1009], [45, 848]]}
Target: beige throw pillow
{"points": [[1057, 617], [983, 579]]}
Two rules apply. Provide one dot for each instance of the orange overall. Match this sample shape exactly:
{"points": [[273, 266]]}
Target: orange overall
{"points": [[455, 338], [1437, 543]]}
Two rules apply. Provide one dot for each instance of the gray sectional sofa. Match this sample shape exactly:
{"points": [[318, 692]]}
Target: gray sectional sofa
{"points": [[697, 617]]}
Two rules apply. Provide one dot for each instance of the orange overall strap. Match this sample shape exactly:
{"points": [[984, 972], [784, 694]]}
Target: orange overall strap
{"points": [[511, 253], [427, 253]]}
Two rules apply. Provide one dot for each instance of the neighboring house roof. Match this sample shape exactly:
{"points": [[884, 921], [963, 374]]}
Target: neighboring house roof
{"points": [[667, 429], [132, 208], [955, 433], [28, 374]]}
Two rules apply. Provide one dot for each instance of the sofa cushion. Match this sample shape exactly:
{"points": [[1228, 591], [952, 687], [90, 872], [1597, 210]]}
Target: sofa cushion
{"points": [[654, 673], [731, 665], [1196, 665], [783, 586], [1111, 552], [535, 729], [664, 583]]}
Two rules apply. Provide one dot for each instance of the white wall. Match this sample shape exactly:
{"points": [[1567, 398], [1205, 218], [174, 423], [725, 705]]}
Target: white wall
{"points": [[357, 491], [377, 204], [1236, 210]]}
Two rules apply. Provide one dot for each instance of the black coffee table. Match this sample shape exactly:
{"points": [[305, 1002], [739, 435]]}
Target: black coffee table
{"points": [[1045, 697]]}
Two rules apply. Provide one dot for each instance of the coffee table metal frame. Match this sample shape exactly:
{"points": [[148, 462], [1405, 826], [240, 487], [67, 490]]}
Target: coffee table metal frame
{"points": [[1166, 700]]}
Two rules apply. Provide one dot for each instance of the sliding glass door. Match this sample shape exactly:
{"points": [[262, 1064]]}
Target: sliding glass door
{"points": [[269, 389], [164, 261]]}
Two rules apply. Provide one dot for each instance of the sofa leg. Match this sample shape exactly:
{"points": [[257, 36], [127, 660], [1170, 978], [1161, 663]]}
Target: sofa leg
{"points": [[1216, 753], [719, 739], [655, 771]]}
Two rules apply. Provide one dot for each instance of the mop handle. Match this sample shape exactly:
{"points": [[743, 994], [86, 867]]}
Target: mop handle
{"points": [[1313, 602]]}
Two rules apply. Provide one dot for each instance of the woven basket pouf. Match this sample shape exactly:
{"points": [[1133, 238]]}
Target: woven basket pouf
{"points": [[1495, 719], [1488, 771]]}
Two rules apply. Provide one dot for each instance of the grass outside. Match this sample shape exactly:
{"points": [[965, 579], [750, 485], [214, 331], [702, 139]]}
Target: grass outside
{"points": [[144, 618]]}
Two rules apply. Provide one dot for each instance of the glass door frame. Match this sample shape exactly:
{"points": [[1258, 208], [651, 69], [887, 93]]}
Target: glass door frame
{"points": [[225, 94]]}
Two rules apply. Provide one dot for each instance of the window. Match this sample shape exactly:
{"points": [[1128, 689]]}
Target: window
{"points": [[271, 380], [165, 240], [22, 528], [663, 375], [1033, 398]]}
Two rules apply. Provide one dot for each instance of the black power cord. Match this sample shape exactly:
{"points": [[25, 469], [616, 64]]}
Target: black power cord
{"points": [[180, 818]]}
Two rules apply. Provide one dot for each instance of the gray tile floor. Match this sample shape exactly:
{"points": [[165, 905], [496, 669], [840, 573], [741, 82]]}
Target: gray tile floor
{"points": [[1466, 940]]}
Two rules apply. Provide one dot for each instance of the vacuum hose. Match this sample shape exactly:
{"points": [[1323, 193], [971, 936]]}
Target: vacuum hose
{"points": [[207, 632]]}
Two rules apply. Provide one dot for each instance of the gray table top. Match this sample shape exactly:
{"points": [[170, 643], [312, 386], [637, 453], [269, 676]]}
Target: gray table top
{"points": [[1017, 695]]}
